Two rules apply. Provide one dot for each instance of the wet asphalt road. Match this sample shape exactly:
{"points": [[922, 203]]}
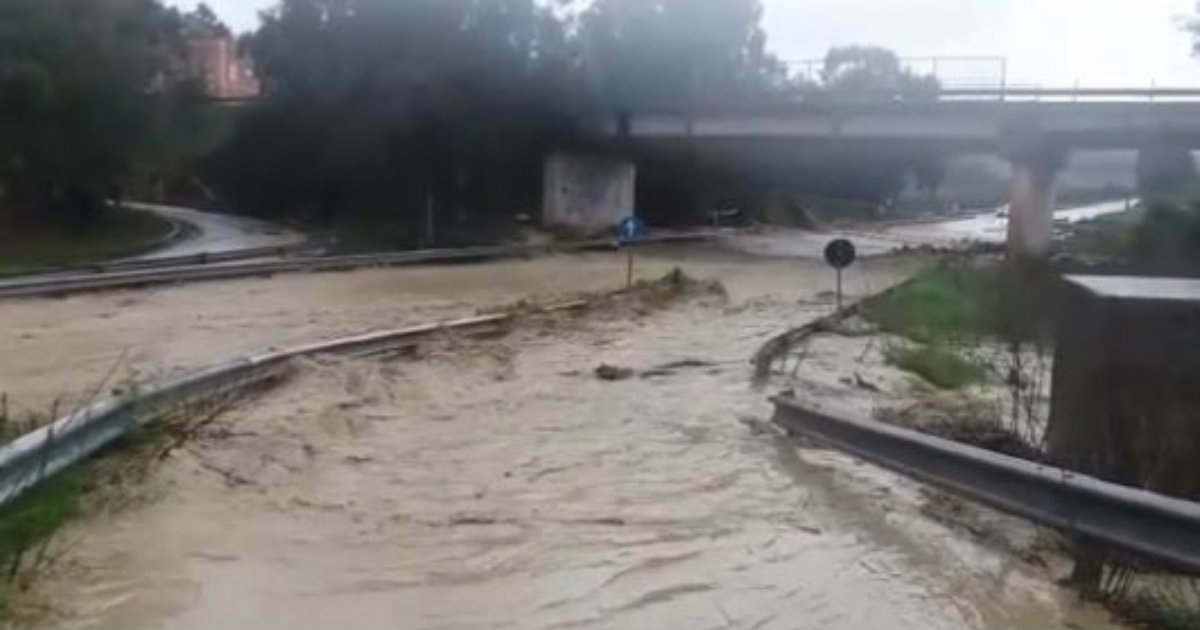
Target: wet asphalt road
{"points": [[216, 233]]}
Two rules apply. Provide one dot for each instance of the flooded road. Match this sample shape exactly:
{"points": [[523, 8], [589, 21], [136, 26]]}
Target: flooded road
{"points": [[992, 227], [499, 483], [59, 352]]}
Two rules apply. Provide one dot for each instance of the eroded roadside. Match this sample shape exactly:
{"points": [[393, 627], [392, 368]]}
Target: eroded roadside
{"points": [[501, 483]]}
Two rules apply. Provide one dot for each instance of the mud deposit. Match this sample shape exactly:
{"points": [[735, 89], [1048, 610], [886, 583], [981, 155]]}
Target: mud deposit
{"points": [[503, 483]]}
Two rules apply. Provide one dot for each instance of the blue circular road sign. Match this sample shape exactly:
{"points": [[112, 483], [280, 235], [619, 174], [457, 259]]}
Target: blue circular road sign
{"points": [[631, 228]]}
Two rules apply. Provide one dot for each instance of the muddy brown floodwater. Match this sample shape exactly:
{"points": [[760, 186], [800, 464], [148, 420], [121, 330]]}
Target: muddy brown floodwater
{"points": [[68, 349], [499, 483]]}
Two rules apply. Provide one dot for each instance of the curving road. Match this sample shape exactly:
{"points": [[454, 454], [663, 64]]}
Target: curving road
{"points": [[216, 233]]}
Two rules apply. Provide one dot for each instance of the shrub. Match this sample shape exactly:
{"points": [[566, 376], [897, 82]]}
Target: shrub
{"points": [[944, 304], [941, 366]]}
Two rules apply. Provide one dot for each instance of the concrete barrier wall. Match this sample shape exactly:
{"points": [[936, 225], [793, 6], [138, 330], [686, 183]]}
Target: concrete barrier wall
{"points": [[586, 194]]}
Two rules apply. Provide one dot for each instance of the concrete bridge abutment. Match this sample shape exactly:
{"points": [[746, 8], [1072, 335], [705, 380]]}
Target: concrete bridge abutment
{"points": [[587, 194]]}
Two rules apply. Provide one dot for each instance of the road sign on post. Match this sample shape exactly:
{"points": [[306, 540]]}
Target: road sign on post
{"points": [[840, 254], [630, 230]]}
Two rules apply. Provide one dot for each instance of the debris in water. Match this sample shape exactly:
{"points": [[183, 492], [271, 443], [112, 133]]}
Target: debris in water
{"points": [[472, 520], [608, 372], [607, 521], [668, 369], [757, 426], [675, 287], [863, 383]]}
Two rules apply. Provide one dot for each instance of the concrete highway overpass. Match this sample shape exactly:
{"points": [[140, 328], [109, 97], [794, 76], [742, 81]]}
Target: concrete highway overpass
{"points": [[1034, 129], [967, 125]]}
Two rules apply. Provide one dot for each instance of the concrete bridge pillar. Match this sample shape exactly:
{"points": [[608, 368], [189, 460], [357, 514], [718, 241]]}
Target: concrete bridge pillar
{"points": [[1031, 210], [1031, 200], [587, 195]]}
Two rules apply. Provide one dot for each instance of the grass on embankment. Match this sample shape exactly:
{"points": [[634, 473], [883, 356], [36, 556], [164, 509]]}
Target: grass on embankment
{"points": [[947, 314], [28, 524], [119, 233], [950, 304], [1156, 238], [26, 529], [943, 367], [943, 310]]}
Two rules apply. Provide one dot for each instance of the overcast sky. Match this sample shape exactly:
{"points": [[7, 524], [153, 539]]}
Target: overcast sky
{"points": [[1127, 43]]}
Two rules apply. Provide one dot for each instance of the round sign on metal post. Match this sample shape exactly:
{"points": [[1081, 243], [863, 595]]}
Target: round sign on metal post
{"points": [[840, 253]]}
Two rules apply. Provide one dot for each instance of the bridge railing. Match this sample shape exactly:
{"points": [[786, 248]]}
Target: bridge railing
{"points": [[1072, 94], [987, 78], [960, 71]]}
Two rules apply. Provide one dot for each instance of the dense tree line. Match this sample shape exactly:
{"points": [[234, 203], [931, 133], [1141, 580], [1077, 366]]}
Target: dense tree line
{"points": [[89, 97], [380, 109], [1166, 171], [376, 112], [377, 108]]}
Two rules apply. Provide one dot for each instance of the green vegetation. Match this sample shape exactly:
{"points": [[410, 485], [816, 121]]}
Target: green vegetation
{"points": [[1156, 609], [1106, 236], [1167, 172], [117, 234], [959, 326], [952, 304], [90, 92], [943, 310], [1167, 240], [942, 366], [1159, 238], [28, 524], [379, 110]]}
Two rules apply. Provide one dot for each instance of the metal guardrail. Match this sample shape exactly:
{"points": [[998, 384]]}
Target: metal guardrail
{"points": [[69, 284], [1154, 526], [38, 455], [202, 258]]}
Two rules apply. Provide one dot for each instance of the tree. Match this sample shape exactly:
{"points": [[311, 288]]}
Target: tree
{"points": [[74, 100], [870, 73], [1166, 171], [375, 108], [204, 20], [677, 53], [682, 55]]}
